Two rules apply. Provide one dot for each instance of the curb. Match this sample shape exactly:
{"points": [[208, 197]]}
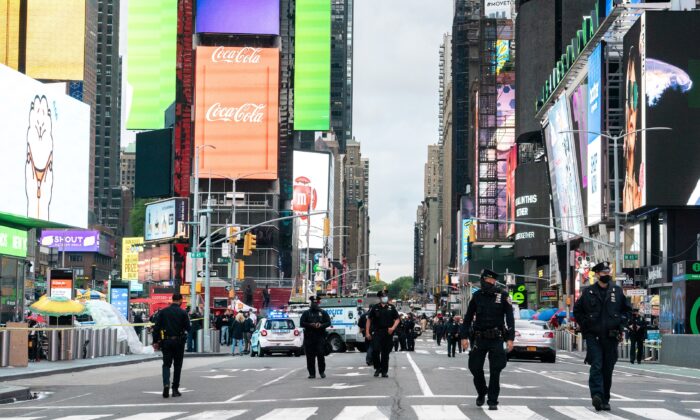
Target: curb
{"points": [[71, 369], [10, 394]]}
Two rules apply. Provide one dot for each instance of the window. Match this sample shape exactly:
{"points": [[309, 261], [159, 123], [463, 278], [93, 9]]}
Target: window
{"points": [[279, 324]]}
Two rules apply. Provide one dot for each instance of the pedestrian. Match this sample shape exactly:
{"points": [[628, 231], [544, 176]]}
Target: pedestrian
{"points": [[452, 335], [423, 322], [266, 297], [248, 330], [439, 329], [459, 322], [638, 333], [138, 320], [315, 321], [401, 332], [494, 323], [248, 295], [410, 329], [383, 320], [601, 311], [362, 325], [169, 332], [237, 334]]}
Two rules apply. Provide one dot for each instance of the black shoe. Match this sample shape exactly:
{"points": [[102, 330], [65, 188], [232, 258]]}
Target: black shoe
{"points": [[385, 375], [480, 400], [631, 362], [376, 373], [493, 407], [323, 375], [606, 407], [176, 392], [312, 376], [166, 392], [597, 402]]}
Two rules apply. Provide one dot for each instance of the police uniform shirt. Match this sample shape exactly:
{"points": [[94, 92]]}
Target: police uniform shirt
{"points": [[383, 316], [173, 321], [313, 316], [489, 309]]}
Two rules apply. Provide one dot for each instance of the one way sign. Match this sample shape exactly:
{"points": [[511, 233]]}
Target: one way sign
{"points": [[204, 274]]}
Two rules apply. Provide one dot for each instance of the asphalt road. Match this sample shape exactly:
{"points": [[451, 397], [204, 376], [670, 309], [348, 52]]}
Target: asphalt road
{"points": [[425, 384]]}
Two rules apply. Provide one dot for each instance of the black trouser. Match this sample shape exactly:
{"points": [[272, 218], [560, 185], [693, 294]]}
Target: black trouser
{"points": [[636, 346], [497, 362], [451, 346], [315, 349], [173, 353], [382, 343], [601, 355], [411, 342], [403, 342], [439, 338], [368, 357]]}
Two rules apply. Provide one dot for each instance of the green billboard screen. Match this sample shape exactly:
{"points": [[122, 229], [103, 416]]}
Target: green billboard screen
{"points": [[151, 50], [13, 242], [312, 64]]}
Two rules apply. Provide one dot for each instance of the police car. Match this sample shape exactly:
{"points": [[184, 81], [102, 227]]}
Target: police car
{"points": [[276, 333]]}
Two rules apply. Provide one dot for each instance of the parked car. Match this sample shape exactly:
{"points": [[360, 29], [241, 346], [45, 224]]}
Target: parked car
{"points": [[534, 339], [277, 334]]}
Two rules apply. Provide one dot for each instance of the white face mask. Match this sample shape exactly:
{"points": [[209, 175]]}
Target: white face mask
{"points": [[385, 299]]}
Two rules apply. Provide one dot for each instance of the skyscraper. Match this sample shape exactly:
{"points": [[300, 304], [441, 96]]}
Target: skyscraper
{"points": [[341, 70]]}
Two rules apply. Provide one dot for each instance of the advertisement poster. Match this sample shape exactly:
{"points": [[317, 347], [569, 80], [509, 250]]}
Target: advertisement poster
{"points": [[633, 190], [119, 298], [579, 124], [165, 219], [531, 205], [131, 247], [13, 242], [466, 227], [45, 143], [595, 181], [312, 180], [61, 283], [594, 164], [505, 136], [511, 165], [71, 240], [255, 17], [498, 9], [242, 123]]}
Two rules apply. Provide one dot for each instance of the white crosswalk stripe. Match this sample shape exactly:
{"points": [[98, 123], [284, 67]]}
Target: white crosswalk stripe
{"points": [[363, 412], [219, 415], [578, 412], [84, 417], [443, 412], [302, 413], [152, 416], [513, 412], [697, 410], [655, 413]]}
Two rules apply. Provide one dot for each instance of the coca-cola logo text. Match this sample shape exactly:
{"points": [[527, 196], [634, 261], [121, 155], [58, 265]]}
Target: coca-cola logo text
{"points": [[246, 113], [246, 55]]}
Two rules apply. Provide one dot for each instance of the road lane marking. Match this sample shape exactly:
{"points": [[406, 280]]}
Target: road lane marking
{"points": [[421, 379], [572, 383], [151, 416], [86, 417], [697, 410], [250, 391], [442, 412], [671, 391], [513, 412], [302, 413], [564, 356], [578, 412], [211, 415], [422, 352], [655, 413], [338, 386], [363, 412]]}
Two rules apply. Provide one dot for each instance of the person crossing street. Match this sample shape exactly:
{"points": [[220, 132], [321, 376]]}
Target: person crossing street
{"points": [[452, 335], [315, 321], [169, 335], [381, 323], [638, 333]]}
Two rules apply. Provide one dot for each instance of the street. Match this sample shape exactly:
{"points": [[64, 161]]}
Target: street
{"points": [[425, 384]]}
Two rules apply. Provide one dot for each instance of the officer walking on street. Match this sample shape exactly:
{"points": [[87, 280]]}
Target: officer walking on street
{"points": [[169, 335], [493, 325], [382, 320], [315, 321], [602, 312], [638, 333]]}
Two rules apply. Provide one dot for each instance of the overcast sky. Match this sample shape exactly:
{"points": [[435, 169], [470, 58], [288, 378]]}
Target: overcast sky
{"points": [[395, 117]]}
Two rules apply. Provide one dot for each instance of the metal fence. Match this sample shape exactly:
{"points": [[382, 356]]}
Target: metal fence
{"points": [[570, 341]]}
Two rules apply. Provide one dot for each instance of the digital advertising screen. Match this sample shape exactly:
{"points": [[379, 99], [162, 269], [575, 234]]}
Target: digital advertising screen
{"points": [[505, 135], [71, 240], [154, 175], [671, 98], [45, 159], [512, 164], [312, 65], [594, 149], [563, 170], [531, 205], [312, 180], [578, 104], [156, 264], [150, 61], [13, 242], [55, 46], [236, 111], [61, 283], [257, 17], [119, 298], [633, 192], [498, 9], [165, 219]]}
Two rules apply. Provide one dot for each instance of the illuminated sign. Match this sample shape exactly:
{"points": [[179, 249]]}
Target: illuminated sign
{"points": [[260, 17], [130, 257], [13, 242]]}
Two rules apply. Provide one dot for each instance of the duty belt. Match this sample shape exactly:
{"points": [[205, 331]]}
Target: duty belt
{"points": [[490, 334]]}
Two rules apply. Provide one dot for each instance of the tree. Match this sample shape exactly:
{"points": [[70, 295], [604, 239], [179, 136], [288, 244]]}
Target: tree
{"points": [[137, 217], [401, 287]]}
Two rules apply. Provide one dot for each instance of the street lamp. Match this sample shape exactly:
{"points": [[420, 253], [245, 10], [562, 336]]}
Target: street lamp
{"points": [[622, 135]]}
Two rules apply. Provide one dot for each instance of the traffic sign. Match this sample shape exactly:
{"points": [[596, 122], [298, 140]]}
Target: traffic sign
{"points": [[223, 260], [631, 257], [198, 254], [204, 274]]}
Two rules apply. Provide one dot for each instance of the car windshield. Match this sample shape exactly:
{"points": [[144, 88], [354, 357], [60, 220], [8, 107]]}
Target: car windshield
{"points": [[279, 324], [531, 325]]}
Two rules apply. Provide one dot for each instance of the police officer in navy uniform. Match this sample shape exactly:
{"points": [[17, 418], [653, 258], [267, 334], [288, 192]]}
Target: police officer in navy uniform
{"points": [[315, 321], [169, 335], [382, 321], [638, 333], [602, 312], [494, 324]]}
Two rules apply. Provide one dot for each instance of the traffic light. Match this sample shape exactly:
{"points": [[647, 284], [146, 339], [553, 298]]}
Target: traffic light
{"points": [[326, 227], [240, 269], [232, 234], [249, 244]]}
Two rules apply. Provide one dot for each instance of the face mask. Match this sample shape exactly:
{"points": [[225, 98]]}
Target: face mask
{"points": [[605, 279], [486, 286], [314, 306], [385, 299]]}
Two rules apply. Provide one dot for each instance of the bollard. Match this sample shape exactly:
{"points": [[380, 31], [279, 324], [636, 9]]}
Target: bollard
{"points": [[4, 348], [214, 345], [54, 338], [114, 342], [101, 342], [92, 343], [200, 340], [66, 344], [144, 337]]}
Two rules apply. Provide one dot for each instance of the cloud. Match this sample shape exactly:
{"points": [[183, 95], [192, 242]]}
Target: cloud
{"points": [[395, 115]]}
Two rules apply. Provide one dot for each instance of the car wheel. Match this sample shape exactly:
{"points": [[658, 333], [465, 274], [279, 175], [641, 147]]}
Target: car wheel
{"points": [[297, 353], [552, 358], [337, 344], [261, 353]]}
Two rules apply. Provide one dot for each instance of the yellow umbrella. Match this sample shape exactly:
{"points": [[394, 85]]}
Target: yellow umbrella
{"points": [[57, 307]]}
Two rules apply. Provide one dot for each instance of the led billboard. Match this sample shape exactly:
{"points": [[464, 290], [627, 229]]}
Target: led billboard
{"points": [[166, 219], [633, 190], [236, 111], [531, 205], [55, 46], [71, 240], [150, 65], [9, 33], [154, 175], [563, 170], [13, 242], [258, 17], [594, 146], [45, 143], [312, 65], [578, 104], [505, 136], [499, 9], [131, 247], [669, 97], [312, 180], [511, 165]]}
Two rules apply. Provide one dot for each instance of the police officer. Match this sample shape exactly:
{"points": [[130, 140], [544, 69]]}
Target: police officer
{"points": [[602, 312], [315, 321], [169, 335], [638, 333], [494, 324], [382, 321], [410, 327]]}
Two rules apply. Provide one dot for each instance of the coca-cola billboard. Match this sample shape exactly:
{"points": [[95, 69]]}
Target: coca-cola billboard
{"points": [[236, 110]]}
